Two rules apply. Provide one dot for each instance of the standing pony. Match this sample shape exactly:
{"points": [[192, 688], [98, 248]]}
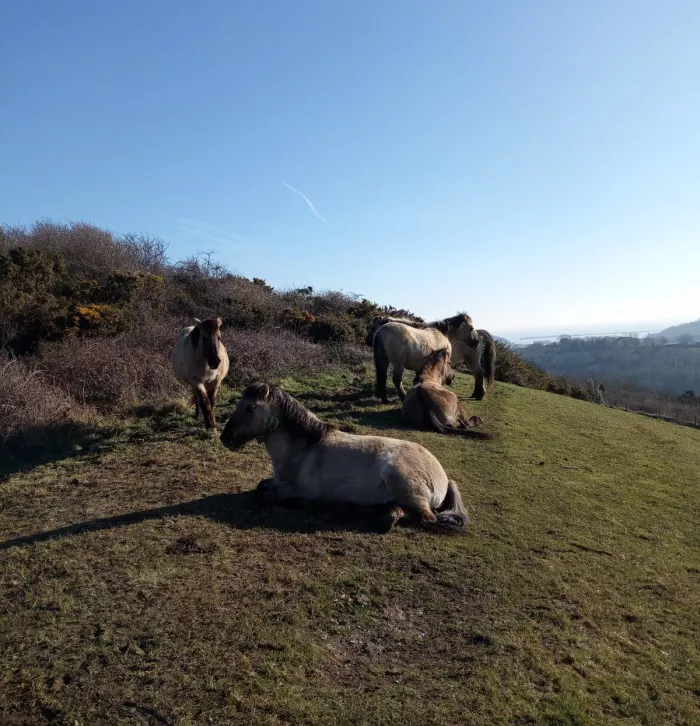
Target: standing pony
{"points": [[313, 460], [405, 344], [429, 405], [200, 361]]}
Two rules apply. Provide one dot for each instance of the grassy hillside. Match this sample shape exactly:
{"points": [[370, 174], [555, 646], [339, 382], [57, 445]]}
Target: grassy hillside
{"points": [[172, 597]]}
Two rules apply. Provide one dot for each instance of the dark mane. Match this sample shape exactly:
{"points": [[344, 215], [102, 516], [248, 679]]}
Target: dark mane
{"points": [[294, 416], [443, 325], [447, 324], [298, 420]]}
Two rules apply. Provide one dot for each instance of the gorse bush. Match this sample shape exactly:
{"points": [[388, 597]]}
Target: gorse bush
{"points": [[40, 300]]}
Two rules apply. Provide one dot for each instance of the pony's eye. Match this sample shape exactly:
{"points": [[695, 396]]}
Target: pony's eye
{"points": [[250, 408]]}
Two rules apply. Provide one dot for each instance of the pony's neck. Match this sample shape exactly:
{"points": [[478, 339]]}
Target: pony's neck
{"points": [[280, 446], [432, 375]]}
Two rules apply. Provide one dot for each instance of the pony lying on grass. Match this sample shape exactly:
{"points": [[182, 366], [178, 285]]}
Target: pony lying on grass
{"points": [[404, 344], [429, 405], [200, 360], [313, 460]]}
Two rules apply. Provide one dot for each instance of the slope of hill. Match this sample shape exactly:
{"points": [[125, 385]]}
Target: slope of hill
{"points": [[172, 596], [684, 329]]}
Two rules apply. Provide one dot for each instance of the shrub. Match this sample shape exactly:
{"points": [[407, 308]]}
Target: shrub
{"points": [[270, 355], [29, 401], [88, 251], [113, 373]]}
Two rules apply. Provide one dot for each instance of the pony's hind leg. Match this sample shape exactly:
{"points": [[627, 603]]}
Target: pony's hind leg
{"points": [[397, 378], [394, 514], [381, 368], [425, 515], [195, 398]]}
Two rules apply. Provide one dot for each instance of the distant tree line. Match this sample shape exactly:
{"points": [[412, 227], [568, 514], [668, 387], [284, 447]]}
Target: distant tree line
{"points": [[649, 363]]}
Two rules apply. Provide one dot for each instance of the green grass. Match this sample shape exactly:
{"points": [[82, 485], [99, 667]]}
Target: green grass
{"points": [[573, 598]]}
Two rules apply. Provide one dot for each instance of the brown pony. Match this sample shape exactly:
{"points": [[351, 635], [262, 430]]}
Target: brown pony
{"points": [[200, 360], [404, 344], [313, 460], [429, 405]]}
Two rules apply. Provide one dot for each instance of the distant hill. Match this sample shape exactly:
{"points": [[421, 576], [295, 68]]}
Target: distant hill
{"points": [[677, 331], [642, 362]]}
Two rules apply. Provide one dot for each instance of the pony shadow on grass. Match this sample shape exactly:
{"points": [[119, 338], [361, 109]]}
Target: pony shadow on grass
{"points": [[244, 511], [367, 417], [55, 442], [46, 444]]}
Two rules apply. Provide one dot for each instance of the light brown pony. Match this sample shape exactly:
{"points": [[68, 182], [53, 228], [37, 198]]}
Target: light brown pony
{"points": [[200, 360], [313, 460], [429, 405], [404, 344]]}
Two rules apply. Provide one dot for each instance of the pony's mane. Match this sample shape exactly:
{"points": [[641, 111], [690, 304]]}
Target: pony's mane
{"points": [[442, 325], [294, 416], [298, 420], [379, 320], [449, 323], [432, 360]]}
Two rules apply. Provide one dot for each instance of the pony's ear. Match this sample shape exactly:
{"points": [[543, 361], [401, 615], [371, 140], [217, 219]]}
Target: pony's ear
{"points": [[194, 336], [218, 323], [268, 393], [197, 321]]}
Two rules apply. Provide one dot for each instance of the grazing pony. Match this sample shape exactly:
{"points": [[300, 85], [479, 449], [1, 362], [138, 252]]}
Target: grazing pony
{"points": [[313, 460], [429, 405], [200, 360], [404, 343]]}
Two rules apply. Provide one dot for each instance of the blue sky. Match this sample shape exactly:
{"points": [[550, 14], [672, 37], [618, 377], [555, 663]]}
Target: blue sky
{"points": [[535, 163]]}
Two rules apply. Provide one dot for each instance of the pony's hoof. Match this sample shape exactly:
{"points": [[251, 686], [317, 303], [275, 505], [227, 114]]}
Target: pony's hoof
{"points": [[267, 490], [264, 485]]}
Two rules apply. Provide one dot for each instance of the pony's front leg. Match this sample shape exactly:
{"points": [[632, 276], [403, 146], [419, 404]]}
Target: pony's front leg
{"points": [[204, 404], [212, 393], [275, 490]]}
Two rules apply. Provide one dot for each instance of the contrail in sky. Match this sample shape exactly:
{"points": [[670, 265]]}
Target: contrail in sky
{"points": [[307, 200]]}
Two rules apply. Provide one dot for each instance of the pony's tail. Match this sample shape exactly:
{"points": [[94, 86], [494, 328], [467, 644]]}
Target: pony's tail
{"points": [[452, 516], [489, 355], [381, 366], [454, 431]]}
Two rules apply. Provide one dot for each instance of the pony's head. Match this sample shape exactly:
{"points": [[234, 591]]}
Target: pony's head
{"points": [[437, 366], [264, 409], [253, 418], [206, 336], [460, 327]]}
